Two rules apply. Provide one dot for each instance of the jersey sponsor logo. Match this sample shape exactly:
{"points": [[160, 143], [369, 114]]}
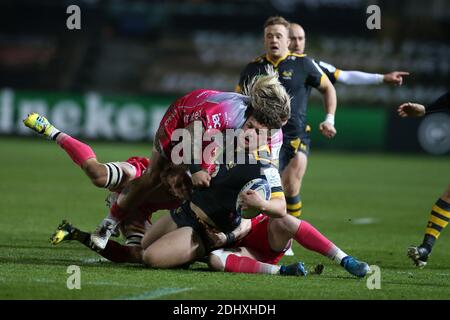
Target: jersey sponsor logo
{"points": [[189, 118], [216, 120], [230, 165], [170, 117], [273, 177], [287, 74]]}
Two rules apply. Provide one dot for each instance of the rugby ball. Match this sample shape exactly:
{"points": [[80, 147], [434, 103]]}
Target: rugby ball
{"points": [[262, 187]]}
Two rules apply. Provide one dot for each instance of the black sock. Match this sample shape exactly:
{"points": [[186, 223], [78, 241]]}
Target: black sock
{"points": [[428, 242], [83, 237]]}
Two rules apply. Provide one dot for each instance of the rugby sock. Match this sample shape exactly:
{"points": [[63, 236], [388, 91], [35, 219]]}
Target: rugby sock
{"points": [[439, 217], [77, 150], [116, 213], [116, 252], [310, 238], [294, 205], [83, 237], [54, 133], [113, 251], [236, 263]]}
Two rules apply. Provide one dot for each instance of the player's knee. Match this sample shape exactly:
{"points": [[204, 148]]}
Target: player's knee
{"points": [[287, 225], [151, 259], [146, 241], [217, 259], [96, 173], [279, 225]]}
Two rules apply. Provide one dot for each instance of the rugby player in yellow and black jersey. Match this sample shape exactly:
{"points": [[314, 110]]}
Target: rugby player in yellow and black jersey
{"points": [[298, 74], [350, 77]]}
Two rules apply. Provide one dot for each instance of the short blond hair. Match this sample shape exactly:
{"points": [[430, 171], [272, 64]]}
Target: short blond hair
{"points": [[269, 100]]}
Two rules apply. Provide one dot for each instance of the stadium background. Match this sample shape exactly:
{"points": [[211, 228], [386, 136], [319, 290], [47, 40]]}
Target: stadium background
{"points": [[112, 80]]}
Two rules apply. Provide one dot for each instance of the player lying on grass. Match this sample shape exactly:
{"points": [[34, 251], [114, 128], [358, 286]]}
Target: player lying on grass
{"points": [[113, 176], [440, 212], [263, 241], [130, 252], [264, 105], [260, 239]]}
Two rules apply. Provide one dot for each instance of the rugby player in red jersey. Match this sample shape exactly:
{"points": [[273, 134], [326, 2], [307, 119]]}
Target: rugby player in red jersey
{"points": [[113, 176], [263, 105]]}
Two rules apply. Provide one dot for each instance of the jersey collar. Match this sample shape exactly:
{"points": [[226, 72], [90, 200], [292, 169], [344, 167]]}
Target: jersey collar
{"points": [[276, 63]]}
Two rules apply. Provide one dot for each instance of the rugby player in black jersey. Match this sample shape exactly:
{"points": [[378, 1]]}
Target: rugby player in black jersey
{"points": [[440, 212], [297, 45], [298, 74]]}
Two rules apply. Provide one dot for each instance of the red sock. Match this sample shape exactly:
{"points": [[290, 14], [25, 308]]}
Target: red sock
{"points": [[236, 263], [117, 212], [116, 252], [77, 150], [310, 238]]}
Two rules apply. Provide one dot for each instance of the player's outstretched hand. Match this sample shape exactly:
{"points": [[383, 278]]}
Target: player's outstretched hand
{"points": [[395, 78], [327, 129], [410, 109], [201, 179]]}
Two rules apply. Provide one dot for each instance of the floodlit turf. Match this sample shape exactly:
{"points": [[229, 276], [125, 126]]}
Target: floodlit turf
{"points": [[40, 186]]}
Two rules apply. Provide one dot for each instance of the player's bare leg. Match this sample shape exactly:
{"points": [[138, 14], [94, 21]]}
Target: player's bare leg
{"points": [[103, 175], [164, 225], [291, 178], [174, 249], [113, 251], [132, 196], [439, 218]]}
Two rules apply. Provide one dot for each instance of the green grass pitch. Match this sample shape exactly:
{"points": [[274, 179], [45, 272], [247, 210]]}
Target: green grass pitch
{"points": [[393, 194]]}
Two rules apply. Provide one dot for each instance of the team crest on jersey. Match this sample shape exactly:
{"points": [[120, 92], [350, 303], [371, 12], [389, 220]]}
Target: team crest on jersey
{"points": [[287, 74], [230, 165]]}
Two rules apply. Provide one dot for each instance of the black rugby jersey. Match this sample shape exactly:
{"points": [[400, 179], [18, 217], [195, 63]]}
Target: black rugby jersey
{"points": [[218, 201], [330, 71], [298, 74], [440, 105]]}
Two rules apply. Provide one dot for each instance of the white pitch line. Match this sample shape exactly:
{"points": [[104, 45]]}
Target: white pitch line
{"points": [[90, 283], [94, 260], [366, 220], [149, 295]]}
